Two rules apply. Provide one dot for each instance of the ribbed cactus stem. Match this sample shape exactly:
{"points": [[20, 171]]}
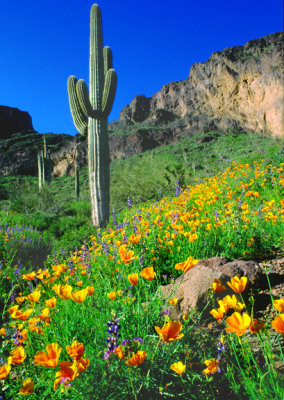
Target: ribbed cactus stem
{"points": [[48, 167], [39, 171], [96, 104], [42, 167], [44, 146], [77, 182]]}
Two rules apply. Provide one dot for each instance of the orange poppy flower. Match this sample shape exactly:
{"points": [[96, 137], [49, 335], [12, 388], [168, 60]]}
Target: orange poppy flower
{"points": [[34, 296], [136, 359], [186, 265], [217, 286], [76, 350], [173, 301], [170, 331], [256, 326], [126, 256], [29, 277], [229, 302], [178, 367], [134, 238], [63, 291], [112, 295], [20, 299], [4, 371], [18, 314], [238, 323], [212, 366], [28, 387], [66, 374], [33, 326], [45, 315], [50, 302], [279, 305], [18, 356], [133, 279], [90, 290], [12, 310], [148, 273], [218, 314], [3, 332], [82, 364], [238, 284], [119, 352], [49, 360], [79, 295], [278, 323], [42, 274]]}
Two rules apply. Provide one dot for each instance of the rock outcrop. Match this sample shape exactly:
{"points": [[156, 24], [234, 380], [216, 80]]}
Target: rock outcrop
{"points": [[239, 88], [193, 288], [13, 120]]}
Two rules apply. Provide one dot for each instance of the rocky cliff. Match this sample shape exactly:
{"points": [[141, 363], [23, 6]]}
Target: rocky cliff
{"points": [[239, 88], [14, 120]]}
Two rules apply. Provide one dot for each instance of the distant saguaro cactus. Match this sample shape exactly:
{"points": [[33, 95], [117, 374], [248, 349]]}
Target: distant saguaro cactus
{"points": [[90, 112], [43, 160], [77, 182], [39, 168]]}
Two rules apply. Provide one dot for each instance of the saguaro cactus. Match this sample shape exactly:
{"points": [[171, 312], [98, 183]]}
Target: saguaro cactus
{"points": [[77, 182], [39, 164], [90, 112]]}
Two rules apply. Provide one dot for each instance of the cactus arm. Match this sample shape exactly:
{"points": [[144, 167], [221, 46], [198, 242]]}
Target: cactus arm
{"points": [[107, 54], [79, 118], [83, 97], [109, 91]]}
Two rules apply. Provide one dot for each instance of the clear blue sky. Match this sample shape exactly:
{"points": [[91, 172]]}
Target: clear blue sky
{"points": [[154, 42]]}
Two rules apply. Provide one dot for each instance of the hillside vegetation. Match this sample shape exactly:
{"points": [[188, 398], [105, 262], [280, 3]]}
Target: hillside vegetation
{"points": [[56, 210], [88, 323]]}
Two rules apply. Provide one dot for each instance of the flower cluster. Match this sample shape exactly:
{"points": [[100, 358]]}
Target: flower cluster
{"points": [[113, 335]]}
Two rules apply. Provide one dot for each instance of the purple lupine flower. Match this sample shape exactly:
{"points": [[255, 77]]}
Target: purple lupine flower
{"points": [[114, 218], [216, 215], [166, 312], [129, 204], [113, 334], [178, 189], [18, 270], [137, 339]]}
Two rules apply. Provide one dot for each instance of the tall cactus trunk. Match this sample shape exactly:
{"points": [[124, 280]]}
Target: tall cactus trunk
{"points": [[95, 104], [98, 161], [48, 168], [43, 167], [39, 172], [77, 182], [98, 146]]}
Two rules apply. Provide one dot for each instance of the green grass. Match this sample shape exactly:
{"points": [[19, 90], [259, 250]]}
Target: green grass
{"points": [[232, 210], [67, 219]]}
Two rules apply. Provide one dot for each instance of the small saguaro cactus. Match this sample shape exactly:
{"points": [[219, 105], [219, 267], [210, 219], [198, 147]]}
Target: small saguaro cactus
{"points": [[90, 112], [39, 164], [77, 182]]}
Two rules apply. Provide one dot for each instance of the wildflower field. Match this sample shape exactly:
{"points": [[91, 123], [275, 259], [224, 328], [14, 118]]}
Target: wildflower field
{"points": [[88, 325]]}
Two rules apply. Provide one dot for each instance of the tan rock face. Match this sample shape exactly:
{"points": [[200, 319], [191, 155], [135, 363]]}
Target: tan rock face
{"points": [[193, 289], [239, 88]]}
